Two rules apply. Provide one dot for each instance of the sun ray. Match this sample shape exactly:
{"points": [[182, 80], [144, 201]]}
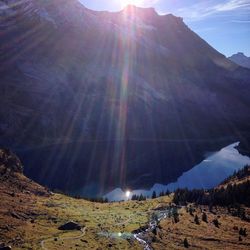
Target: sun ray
{"points": [[124, 3]]}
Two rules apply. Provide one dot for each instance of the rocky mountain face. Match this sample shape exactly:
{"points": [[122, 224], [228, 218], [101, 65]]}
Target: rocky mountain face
{"points": [[10, 161], [240, 59], [96, 100]]}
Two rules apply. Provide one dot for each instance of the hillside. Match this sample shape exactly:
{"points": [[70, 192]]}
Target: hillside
{"points": [[134, 96], [237, 178], [234, 191], [30, 217]]}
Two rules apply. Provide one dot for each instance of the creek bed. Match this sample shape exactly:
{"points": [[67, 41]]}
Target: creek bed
{"points": [[142, 234]]}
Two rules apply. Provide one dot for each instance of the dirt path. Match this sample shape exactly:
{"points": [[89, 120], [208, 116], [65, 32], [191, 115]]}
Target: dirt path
{"points": [[43, 242]]}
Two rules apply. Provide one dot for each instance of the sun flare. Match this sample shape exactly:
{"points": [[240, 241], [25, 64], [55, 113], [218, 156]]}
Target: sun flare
{"points": [[133, 2], [127, 194]]}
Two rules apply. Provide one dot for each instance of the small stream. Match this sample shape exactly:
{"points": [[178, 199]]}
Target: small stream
{"points": [[142, 234]]}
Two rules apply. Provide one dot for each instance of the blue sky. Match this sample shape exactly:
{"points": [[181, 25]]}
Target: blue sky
{"points": [[225, 24]]}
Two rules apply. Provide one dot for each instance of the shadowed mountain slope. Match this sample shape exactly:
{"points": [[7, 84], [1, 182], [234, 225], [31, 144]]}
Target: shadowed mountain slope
{"points": [[95, 100]]}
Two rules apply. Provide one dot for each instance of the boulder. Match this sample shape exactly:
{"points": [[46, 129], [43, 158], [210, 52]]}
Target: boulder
{"points": [[71, 225], [10, 161], [4, 247]]}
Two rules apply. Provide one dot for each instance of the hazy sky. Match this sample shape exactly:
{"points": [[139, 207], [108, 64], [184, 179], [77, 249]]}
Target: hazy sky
{"points": [[225, 24]]}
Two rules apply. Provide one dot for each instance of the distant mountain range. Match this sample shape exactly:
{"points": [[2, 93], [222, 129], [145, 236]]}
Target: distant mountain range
{"points": [[97, 100], [240, 59]]}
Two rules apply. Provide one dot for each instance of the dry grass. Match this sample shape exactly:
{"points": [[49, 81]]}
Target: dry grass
{"points": [[27, 219], [205, 235]]}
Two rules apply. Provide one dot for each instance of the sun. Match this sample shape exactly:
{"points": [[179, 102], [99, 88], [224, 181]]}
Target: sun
{"points": [[133, 2], [128, 193]]}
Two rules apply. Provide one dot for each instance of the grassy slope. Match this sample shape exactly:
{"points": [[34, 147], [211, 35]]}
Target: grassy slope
{"points": [[40, 216], [29, 216], [240, 177], [205, 235]]}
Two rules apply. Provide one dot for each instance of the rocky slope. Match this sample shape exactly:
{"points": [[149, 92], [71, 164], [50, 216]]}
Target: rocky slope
{"points": [[95, 100]]}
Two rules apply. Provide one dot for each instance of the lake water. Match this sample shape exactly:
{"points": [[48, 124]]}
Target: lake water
{"points": [[208, 174]]}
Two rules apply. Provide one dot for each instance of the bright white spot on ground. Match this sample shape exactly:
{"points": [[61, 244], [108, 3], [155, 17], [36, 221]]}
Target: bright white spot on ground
{"points": [[127, 194]]}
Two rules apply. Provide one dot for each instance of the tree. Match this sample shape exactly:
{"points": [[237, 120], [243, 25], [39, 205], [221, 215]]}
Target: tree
{"points": [[196, 220], [191, 210], [142, 198], [134, 197], [225, 196], [185, 242], [204, 217], [167, 193], [216, 222], [161, 193], [176, 217], [154, 195], [243, 232]]}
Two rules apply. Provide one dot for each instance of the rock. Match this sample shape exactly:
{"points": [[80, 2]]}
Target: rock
{"points": [[161, 207], [71, 225], [139, 230], [41, 193], [10, 161], [15, 215], [19, 216], [54, 219], [4, 247]]}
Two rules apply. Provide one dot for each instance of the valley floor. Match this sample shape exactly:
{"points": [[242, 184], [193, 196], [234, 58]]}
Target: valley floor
{"points": [[30, 217]]}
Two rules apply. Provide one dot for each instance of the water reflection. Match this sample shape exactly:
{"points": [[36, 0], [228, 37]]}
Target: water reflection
{"points": [[209, 173]]}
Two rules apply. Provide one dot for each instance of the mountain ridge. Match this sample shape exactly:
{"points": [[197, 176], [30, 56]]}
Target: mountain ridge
{"points": [[240, 59], [91, 92]]}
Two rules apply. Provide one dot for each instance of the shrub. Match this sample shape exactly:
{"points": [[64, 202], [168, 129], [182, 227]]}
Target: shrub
{"points": [[243, 232], [196, 220], [204, 217], [185, 242], [216, 222]]}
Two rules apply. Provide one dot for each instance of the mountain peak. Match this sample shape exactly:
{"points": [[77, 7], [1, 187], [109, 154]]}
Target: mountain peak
{"points": [[241, 59], [241, 54], [133, 9]]}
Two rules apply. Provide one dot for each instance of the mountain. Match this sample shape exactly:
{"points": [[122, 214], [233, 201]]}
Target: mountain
{"points": [[240, 59], [92, 100]]}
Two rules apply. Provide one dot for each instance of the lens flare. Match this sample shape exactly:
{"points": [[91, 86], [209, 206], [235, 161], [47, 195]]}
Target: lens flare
{"points": [[127, 193], [132, 2]]}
